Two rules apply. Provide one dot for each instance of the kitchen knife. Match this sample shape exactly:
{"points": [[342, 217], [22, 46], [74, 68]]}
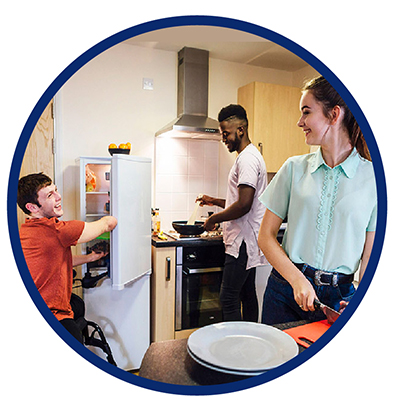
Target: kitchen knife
{"points": [[330, 313]]}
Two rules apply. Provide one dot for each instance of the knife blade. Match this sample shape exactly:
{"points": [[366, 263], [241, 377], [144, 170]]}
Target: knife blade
{"points": [[330, 313]]}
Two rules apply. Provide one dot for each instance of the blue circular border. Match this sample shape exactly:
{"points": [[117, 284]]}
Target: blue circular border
{"points": [[169, 23]]}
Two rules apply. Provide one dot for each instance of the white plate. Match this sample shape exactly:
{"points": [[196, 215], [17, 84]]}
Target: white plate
{"points": [[224, 370], [242, 346]]}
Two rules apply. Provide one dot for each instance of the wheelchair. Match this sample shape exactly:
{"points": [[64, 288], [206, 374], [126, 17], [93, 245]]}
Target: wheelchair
{"points": [[91, 332]]}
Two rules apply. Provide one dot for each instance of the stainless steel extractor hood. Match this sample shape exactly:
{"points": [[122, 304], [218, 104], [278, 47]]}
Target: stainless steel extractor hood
{"points": [[192, 121]]}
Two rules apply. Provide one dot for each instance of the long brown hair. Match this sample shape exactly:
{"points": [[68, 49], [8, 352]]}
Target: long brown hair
{"points": [[325, 94]]}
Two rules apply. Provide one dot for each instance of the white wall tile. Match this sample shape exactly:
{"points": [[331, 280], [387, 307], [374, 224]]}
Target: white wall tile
{"points": [[177, 165], [163, 202], [180, 183], [196, 148], [164, 183], [211, 149], [179, 202], [211, 169], [210, 188], [195, 165], [196, 183], [184, 169]]}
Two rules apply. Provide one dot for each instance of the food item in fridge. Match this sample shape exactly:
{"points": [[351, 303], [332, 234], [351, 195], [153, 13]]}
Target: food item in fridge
{"points": [[90, 179]]}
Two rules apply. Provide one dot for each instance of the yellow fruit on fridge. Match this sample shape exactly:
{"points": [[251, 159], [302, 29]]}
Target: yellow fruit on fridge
{"points": [[112, 146], [122, 146], [128, 145]]}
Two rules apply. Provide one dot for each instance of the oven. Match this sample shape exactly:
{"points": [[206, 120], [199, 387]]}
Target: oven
{"points": [[198, 281]]}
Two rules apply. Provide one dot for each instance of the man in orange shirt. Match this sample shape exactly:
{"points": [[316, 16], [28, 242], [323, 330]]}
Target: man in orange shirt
{"points": [[46, 243]]}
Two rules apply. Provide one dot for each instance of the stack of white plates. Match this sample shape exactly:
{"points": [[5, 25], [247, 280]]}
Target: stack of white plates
{"points": [[241, 348]]}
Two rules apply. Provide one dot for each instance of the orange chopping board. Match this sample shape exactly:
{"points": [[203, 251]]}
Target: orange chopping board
{"points": [[311, 332]]}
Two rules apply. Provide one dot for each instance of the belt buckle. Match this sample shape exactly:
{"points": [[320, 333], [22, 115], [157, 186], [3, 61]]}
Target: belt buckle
{"points": [[317, 278]]}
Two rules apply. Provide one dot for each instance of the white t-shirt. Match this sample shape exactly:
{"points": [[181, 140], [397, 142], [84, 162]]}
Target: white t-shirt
{"points": [[248, 169]]}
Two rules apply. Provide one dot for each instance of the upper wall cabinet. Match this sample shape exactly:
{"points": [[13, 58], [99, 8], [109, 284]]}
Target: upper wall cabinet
{"points": [[273, 112]]}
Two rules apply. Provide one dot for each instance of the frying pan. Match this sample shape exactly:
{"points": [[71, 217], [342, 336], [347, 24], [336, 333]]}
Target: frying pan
{"points": [[190, 230]]}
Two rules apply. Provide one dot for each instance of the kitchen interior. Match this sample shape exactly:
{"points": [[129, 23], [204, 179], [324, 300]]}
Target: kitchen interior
{"points": [[131, 93]]}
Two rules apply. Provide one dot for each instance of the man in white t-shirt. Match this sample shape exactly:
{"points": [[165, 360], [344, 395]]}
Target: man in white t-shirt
{"points": [[242, 216]]}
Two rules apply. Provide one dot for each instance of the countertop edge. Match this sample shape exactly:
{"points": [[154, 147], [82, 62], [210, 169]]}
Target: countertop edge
{"points": [[156, 242]]}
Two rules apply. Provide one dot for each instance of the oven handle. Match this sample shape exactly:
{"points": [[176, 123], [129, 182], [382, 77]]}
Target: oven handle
{"points": [[178, 298], [203, 270]]}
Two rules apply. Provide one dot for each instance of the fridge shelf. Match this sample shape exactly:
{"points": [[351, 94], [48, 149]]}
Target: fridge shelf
{"points": [[98, 193], [97, 215]]}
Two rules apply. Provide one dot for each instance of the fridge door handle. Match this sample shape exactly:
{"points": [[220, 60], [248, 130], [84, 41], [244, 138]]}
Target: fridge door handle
{"points": [[168, 268]]}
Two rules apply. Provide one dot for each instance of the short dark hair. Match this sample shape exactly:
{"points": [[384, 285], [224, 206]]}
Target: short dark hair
{"points": [[28, 188], [233, 111]]}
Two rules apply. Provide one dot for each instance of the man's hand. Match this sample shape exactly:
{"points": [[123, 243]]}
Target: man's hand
{"points": [[93, 256], [86, 258], [209, 224], [206, 200], [96, 228]]}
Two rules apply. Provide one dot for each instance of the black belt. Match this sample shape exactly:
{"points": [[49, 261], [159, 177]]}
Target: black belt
{"points": [[324, 278]]}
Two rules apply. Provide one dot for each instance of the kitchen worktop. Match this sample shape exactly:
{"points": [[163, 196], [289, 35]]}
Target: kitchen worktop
{"points": [[197, 241]]}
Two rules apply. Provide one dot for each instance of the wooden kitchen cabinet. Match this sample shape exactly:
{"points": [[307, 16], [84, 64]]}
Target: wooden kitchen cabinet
{"points": [[163, 294], [273, 112]]}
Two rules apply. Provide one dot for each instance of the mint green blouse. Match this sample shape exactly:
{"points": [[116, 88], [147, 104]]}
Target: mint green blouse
{"points": [[328, 210]]}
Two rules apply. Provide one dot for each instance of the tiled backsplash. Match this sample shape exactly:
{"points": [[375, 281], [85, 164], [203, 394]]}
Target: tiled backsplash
{"points": [[184, 169]]}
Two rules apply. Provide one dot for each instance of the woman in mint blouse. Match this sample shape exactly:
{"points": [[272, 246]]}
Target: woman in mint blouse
{"points": [[329, 199]]}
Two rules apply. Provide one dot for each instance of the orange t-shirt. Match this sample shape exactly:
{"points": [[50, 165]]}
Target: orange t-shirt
{"points": [[46, 243]]}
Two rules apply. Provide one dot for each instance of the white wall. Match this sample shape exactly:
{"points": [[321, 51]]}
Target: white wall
{"points": [[104, 102]]}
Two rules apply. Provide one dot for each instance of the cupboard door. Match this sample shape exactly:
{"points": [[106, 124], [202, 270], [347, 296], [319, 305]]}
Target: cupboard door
{"points": [[273, 112], [163, 294]]}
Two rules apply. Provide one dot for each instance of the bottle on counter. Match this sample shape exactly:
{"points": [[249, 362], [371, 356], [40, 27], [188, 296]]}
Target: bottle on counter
{"points": [[156, 222], [153, 213]]}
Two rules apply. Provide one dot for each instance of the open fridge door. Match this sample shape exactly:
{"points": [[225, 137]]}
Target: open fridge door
{"points": [[131, 205]]}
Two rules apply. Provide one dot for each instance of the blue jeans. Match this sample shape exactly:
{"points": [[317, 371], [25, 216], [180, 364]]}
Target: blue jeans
{"points": [[279, 305], [238, 290]]}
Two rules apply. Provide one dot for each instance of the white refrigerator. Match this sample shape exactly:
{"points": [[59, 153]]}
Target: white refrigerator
{"points": [[120, 303]]}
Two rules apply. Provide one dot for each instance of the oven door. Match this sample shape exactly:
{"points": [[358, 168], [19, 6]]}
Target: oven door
{"points": [[200, 296]]}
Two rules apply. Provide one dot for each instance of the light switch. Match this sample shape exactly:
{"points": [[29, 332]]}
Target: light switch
{"points": [[148, 84]]}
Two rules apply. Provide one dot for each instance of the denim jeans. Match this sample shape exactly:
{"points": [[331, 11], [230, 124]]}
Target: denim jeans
{"points": [[279, 305], [238, 290]]}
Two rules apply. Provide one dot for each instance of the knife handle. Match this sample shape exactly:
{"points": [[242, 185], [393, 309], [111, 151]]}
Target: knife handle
{"points": [[317, 304]]}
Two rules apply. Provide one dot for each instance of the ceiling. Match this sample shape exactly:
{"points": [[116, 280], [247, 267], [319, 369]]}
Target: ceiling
{"points": [[224, 44]]}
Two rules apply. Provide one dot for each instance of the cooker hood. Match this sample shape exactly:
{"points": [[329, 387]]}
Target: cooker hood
{"points": [[192, 121]]}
